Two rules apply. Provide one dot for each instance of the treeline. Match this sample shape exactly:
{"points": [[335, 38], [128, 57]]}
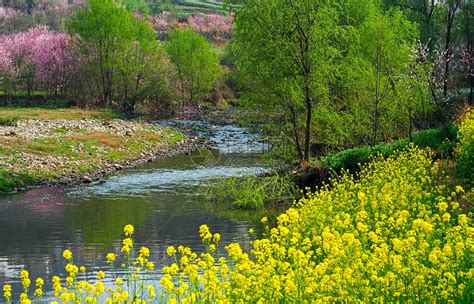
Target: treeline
{"points": [[111, 57], [336, 74]]}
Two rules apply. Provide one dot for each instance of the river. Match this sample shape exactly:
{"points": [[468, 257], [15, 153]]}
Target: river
{"points": [[161, 199]]}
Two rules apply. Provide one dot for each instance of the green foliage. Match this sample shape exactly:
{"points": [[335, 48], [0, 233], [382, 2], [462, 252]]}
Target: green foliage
{"points": [[197, 64], [139, 6], [9, 121], [465, 149], [11, 180], [286, 58], [157, 7], [374, 77], [441, 140], [124, 62], [252, 192], [358, 77]]}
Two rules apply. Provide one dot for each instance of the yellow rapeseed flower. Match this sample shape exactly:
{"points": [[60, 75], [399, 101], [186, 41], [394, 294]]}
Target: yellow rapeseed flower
{"points": [[128, 230], [67, 254]]}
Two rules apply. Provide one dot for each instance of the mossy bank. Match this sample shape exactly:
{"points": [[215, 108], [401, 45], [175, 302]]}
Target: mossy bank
{"points": [[41, 147]]}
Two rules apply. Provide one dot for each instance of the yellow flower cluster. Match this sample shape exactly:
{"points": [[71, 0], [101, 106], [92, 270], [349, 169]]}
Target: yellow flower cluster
{"points": [[465, 149], [392, 234]]}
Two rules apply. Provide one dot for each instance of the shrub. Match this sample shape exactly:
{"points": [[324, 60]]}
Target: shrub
{"points": [[465, 149], [393, 235], [442, 140]]}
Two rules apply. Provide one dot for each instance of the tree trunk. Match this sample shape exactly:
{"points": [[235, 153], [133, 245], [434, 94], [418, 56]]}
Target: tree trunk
{"points": [[295, 132], [449, 25], [307, 140]]}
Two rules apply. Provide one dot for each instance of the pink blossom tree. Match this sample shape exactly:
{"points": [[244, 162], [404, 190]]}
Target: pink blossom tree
{"points": [[36, 59], [467, 64], [6, 13], [212, 25]]}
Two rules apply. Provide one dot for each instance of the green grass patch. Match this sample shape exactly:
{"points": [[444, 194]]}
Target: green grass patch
{"points": [[252, 192], [54, 114], [9, 121]]}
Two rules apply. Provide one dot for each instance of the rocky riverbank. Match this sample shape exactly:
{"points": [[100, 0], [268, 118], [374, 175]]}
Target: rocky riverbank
{"points": [[38, 153]]}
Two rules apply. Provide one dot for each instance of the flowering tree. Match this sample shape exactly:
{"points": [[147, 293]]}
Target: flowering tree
{"points": [[467, 64], [212, 25], [7, 13], [36, 59]]}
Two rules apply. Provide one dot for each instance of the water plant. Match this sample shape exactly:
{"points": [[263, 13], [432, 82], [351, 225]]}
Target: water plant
{"points": [[252, 192]]}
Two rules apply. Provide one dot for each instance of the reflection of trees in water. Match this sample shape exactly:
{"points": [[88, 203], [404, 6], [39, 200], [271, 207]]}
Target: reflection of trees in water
{"points": [[101, 221], [36, 230]]}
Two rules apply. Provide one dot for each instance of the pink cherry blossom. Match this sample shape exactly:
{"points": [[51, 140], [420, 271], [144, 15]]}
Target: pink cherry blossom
{"points": [[37, 56], [213, 24], [7, 13]]}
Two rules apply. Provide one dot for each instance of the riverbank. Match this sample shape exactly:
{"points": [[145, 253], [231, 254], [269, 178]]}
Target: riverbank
{"points": [[42, 147]]}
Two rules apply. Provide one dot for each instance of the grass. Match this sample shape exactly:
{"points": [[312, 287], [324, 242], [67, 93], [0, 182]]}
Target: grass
{"points": [[190, 6], [47, 113], [8, 121], [252, 192]]}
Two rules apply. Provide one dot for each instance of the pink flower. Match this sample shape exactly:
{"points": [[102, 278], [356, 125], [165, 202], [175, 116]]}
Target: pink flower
{"points": [[45, 56], [211, 24]]}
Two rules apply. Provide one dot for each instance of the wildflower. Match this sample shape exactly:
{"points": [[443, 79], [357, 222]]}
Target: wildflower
{"points": [[118, 281], [39, 282], [7, 291], [110, 257], [144, 251], [205, 233], [25, 280], [100, 275], [82, 269], [24, 299], [67, 254], [264, 220], [128, 230], [127, 245], [212, 248], [150, 266], [170, 251]]}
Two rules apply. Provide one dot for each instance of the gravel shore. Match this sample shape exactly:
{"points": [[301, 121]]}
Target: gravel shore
{"points": [[22, 148]]}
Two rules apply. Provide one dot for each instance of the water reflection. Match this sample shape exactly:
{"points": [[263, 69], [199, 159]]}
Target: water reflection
{"points": [[159, 198]]}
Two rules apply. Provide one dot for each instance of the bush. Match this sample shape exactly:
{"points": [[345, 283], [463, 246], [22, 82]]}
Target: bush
{"points": [[465, 149], [392, 236], [442, 140]]}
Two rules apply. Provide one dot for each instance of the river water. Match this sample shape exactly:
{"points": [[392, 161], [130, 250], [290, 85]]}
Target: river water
{"points": [[161, 199]]}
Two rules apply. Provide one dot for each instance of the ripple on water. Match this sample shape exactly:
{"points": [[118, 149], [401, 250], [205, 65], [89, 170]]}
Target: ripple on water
{"points": [[152, 181]]}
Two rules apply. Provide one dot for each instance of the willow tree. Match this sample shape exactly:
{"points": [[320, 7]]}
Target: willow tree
{"points": [[197, 64], [122, 61], [375, 66], [285, 52]]}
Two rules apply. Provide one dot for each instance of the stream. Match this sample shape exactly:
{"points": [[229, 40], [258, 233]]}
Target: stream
{"points": [[161, 199]]}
